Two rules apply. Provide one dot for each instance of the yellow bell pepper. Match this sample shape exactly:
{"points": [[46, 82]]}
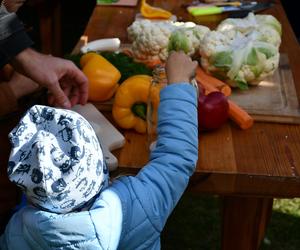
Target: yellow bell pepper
{"points": [[149, 11], [130, 103], [103, 77]]}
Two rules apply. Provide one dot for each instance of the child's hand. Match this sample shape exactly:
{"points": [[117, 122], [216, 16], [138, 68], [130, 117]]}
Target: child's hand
{"points": [[180, 67]]}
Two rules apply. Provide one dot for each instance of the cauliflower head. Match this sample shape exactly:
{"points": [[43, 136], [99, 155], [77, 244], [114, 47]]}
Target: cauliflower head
{"points": [[242, 51], [151, 40]]}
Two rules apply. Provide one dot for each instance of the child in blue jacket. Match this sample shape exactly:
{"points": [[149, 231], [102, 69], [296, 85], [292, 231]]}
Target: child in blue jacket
{"points": [[57, 161]]}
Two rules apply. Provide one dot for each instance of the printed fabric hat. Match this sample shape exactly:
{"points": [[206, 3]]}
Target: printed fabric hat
{"points": [[56, 159]]}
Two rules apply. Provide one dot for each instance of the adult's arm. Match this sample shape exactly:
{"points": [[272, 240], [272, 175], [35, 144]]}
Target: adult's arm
{"points": [[63, 79]]}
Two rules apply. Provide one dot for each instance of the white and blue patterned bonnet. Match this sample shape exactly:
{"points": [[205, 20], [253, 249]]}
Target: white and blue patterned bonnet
{"points": [[56, 159]]}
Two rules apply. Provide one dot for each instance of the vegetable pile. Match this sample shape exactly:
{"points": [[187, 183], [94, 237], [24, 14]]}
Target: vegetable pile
{"points": [[241, 52]]}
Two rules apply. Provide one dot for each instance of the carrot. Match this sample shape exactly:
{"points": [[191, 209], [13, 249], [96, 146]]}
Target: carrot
{"points": [[236, 113], [240, 116], [205, 79], [152, 63], [149, 63]]}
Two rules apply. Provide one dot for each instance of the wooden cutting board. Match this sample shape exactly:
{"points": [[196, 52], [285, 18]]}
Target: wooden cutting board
{"points": [[274, 99], [109, 137]]}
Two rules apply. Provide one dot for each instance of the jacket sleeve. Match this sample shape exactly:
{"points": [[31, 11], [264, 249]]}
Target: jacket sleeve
{"points": [[154, 192], [13, 37]]}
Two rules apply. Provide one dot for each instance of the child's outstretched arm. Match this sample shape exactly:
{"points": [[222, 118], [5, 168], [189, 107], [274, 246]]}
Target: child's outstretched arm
{"points": [[154, 192]]}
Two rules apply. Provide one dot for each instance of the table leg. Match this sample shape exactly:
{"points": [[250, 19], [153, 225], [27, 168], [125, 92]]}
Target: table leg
{"points": [[244, 222]]}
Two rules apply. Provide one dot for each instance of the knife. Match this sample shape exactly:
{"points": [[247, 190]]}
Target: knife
{"points": [[200, 4], [244, 7]]}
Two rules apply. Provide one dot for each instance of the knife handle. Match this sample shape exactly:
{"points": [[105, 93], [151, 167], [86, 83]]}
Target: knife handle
{"points": [[202, 11]]}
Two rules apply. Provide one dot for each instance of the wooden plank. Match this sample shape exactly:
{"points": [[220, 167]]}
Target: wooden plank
{"points": [[216, 151]]}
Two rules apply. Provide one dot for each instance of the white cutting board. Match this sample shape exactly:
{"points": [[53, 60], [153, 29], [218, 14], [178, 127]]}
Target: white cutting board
{"points": [[109, 137]]}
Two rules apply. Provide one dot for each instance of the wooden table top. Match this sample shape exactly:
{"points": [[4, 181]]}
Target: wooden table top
{"points": [[261, 161]]}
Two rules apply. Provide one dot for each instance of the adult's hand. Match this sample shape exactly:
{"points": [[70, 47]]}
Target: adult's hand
{"points": [[21, 85], [67, 85]]}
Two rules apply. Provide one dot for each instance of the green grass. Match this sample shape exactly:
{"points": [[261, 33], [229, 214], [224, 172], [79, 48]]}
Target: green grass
{"points": [[284, 229], [195, 225]]}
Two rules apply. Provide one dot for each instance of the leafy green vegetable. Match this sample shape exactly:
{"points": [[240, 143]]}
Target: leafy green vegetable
{"points": [[126, 65], [252, 57], [242, 85], [178, 41], [266, 51], [222, 59], [74, 58]]}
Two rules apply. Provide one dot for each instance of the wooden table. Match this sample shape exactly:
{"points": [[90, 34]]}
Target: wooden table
{"points": [[247, 169]]}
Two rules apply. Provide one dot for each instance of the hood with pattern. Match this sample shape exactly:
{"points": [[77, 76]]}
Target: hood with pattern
{"points": [[56, 159]]}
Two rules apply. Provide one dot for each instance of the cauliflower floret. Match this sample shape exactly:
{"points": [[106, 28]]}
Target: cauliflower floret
{"points": [[243, 25], [270, 66], [269, 35], [214, 42], [269, 20]]}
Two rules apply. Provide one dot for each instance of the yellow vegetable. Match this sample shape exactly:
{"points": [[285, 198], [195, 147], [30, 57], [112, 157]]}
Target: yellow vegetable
{"points": [[102, 75], [130, 103], [149, 11]]}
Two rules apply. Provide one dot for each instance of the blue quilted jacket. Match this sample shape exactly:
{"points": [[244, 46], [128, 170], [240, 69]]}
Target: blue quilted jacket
{"points": [[132, 211]]}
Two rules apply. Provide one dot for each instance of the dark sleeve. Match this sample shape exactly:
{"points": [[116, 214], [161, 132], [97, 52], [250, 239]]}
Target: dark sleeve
{"points": [[13, 37]]}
